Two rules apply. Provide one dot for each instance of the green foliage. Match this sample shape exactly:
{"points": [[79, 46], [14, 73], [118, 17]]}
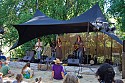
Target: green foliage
{"points": [[17, 12], [117, 11]]}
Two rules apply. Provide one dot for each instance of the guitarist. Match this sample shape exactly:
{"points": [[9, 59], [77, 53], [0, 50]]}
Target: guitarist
{"points": [[39, 48], [79, 49]]}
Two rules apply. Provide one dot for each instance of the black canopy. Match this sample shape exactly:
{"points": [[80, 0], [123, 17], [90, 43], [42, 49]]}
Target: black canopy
{"points": [[41, 25]]}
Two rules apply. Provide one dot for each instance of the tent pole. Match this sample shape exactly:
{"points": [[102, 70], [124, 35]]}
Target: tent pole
{"points": [[37, 4], [87, 42], [111, 49], [104, 47], [96, 43]]}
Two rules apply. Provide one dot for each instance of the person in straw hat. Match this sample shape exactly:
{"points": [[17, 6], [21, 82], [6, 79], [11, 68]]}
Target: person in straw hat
{"points": [[57, 70]]}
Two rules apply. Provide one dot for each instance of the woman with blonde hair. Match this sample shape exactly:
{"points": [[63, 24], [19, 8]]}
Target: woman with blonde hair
{"points": [[71, 78]]}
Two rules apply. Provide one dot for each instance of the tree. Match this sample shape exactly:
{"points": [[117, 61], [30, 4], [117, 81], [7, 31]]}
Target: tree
{"points": [[117, 11], [17, 12]]}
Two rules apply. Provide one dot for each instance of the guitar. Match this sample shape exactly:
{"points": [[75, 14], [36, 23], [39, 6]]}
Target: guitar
{"points": [[76, 47]]}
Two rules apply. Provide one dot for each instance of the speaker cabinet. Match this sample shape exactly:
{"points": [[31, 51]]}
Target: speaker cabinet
{"points": [[73, 61], [29, 56]]}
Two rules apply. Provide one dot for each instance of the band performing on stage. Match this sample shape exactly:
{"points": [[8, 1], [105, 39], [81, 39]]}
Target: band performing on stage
{"points": [[56, 49]]}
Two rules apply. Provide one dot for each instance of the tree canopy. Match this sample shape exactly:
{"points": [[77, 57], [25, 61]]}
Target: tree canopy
{"points": [[19, 11]]}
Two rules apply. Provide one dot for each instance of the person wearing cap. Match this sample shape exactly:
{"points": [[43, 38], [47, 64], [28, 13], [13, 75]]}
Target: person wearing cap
{"points": [[57, 70]]}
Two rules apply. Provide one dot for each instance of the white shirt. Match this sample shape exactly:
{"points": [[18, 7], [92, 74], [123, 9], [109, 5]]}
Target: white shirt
{"points": [[38, 47]]}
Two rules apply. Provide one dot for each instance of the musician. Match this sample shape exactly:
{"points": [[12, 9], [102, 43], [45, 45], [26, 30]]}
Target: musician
{"points": [[53, 48], [79, 47], [39, 48], [59, 49]]}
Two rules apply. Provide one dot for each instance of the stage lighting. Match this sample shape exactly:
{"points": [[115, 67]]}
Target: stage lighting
{"points": [[99, 22], [107, 29], [1, 31]]}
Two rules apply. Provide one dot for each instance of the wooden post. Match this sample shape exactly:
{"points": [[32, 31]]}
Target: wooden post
{"points": [[123, 65], [111, 49]]}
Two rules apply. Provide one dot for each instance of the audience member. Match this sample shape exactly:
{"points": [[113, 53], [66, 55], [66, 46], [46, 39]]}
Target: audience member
{"points": [[1, 64], [19, 78], [27, 72], [1, 77], [38, 80], [71, 78], [105, 73], [118, 81], [6, 69], [8, 82], [57, 70], [2, 56]]}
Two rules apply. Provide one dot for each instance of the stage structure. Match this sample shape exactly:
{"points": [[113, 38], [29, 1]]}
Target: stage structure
{"points": [[41, 25]]}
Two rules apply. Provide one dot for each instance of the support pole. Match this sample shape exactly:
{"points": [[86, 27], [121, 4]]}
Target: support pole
{"points": [[123, 65], [111, 49], [104, 47], [123, 61], [96, 44], [87, 43], [36, 4]]}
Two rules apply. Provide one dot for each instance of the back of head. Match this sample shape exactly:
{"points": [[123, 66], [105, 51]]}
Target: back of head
{"points": [[71, 78], [118, 81], [105, 73], [19, 77]]}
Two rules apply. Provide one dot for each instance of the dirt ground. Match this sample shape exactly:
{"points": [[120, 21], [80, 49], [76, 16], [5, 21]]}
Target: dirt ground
{"points": [[88, 73]]}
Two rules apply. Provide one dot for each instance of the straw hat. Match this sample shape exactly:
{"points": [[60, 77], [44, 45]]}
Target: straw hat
{"points": [[57, 61]]}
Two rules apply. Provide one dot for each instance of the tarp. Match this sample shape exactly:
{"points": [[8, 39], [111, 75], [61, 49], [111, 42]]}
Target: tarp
{"points": [[41, 25]]}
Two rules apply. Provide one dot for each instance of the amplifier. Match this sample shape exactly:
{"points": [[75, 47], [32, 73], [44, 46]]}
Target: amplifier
{"points": [[73, 61]]}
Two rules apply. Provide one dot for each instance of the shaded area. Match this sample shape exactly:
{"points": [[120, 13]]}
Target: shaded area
{"points": [[41, 25]]}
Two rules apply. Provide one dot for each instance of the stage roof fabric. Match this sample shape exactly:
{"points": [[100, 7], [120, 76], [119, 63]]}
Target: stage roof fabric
{"points": [[41, 25]]}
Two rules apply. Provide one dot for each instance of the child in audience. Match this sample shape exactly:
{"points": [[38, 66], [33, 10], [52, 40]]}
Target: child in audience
{"points": [[19, 78], [27, 72], [71, 78]]}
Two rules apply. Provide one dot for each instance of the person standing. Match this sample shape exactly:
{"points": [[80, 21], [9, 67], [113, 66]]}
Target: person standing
{"points": [[80, 48], [39, 48], [53, 48], [59, 49]]}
